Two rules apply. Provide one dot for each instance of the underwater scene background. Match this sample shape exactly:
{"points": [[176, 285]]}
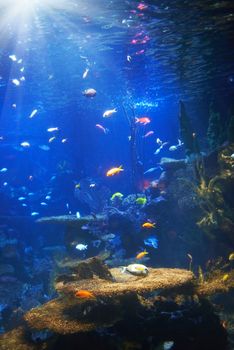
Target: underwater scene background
{"points": [[116, 174]]}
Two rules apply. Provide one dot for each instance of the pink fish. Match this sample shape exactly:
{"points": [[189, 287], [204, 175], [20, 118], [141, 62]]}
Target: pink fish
{"points": [[139, 52], [105, 130], [149, 133], [142, 6]]}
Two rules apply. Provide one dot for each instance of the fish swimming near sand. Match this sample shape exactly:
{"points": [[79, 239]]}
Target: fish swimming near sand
{"points": [[135, 269]]}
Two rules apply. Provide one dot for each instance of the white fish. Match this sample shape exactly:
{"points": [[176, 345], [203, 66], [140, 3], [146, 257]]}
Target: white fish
{"points": [[21, 198], [151, 170], [64, 140], [31, 194], [78, 215], [14, 105], [109, 112], [13, 58], [24, 205], [44, 147], [232, 156], [34, 213], [89, 92], [34, 112], [163, 144], [85, 73], [43, 204], [22, 78], [22, 69], [81, 246], [20, 61], [25, 144], [52, 129], [16, 82], [175, 147], [48, 198], [5, 183], [3, 170], [159, 142], [136, 269], [51, 139], [129, 58]]}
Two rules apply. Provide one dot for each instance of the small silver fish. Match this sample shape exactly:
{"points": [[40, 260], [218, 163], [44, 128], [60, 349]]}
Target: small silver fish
{"points": [[89, 92], [81, 246]]}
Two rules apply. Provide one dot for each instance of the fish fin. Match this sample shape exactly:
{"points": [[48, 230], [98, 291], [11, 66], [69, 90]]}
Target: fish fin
{"points": [[137, 120], [123, 269]]}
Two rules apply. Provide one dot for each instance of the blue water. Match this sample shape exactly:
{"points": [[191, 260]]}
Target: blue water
{"points": [[142, 59]]}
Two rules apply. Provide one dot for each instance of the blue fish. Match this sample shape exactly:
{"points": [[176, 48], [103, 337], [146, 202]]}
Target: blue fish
{"points": [[151, 241]]}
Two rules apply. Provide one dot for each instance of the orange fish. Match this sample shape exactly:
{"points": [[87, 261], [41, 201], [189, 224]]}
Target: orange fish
{"points": [[143, 120], [148, 225], [114, 171], [141, 255], [84, 294]]}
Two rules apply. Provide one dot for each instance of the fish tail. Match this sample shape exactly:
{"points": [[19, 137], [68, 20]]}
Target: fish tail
{"points": [[121, 168], [137, 120]]}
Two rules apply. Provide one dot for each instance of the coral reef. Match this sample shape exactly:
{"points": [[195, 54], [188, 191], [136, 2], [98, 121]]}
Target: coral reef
{"points": [[142, 310]]}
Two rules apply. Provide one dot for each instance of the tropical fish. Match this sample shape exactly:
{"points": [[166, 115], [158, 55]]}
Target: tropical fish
{"points": [[141, 255], [105, 130], [13, 58], [149, 133], [148, 225], [114, 171], [225, 277], [16, 82], [231, 257], [175, 147], [85, 73], [141, 200], [84, 294], [151, 170], [52, 129], [129, 58], [163, 144], [81, 246], [136, 269], [25, 144], [51, 139], [89, 92], [143, 120], [151, 241], [34, 112], [116, 195], [109, 112]]}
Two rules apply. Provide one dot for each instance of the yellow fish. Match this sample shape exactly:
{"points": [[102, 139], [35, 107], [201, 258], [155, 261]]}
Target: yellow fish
{"points": [[225, 277], [149, 225], [141, 255], [231, 257], [114, 171]]}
